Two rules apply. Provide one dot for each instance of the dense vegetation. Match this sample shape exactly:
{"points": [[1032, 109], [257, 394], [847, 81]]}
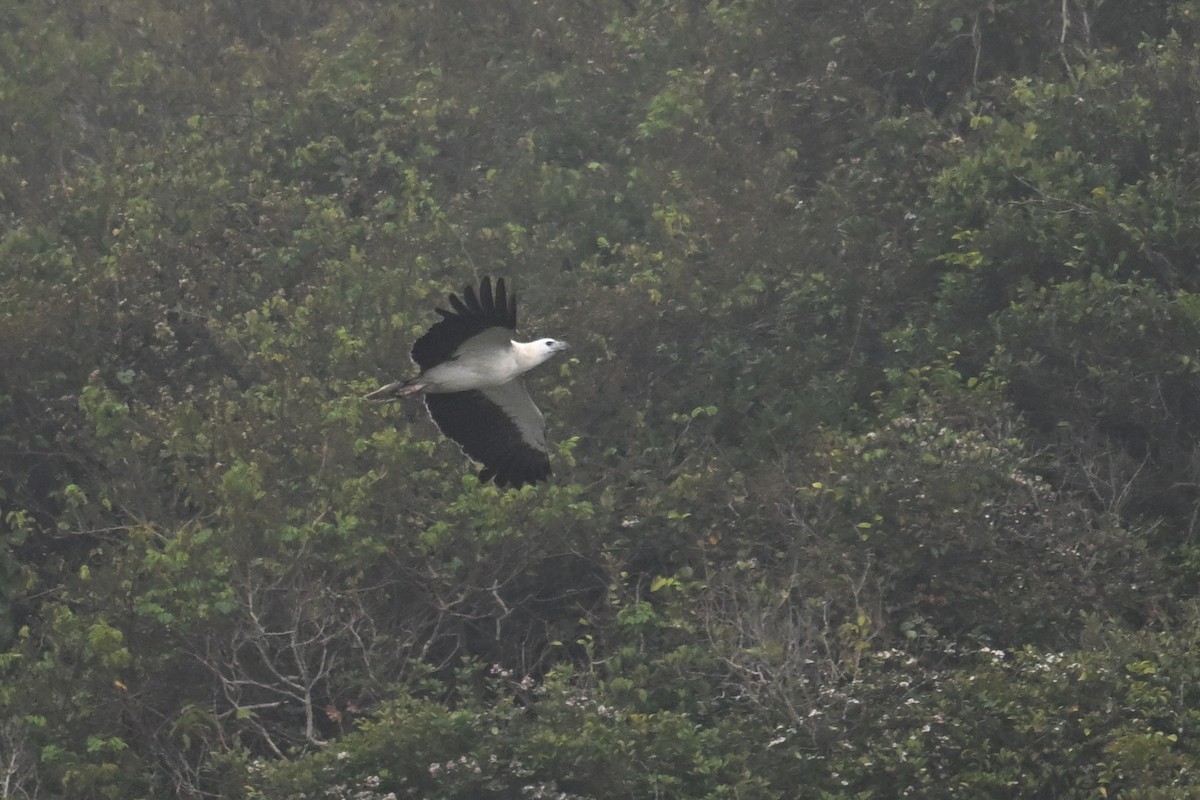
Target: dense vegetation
{"points": [[877, 459]]}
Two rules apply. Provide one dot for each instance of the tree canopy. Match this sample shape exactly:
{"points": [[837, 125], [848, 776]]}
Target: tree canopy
{"points": [[877, 467]]}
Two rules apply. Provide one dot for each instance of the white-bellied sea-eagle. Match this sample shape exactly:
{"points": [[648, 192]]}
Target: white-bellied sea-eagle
{"points": [[471, 371]]}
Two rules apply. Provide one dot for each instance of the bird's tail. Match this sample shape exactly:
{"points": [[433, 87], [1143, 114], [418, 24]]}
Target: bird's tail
{"points": [[395, 390]]}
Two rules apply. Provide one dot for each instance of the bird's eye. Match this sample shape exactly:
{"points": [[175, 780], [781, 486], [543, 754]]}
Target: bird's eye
{"points": [[549, 344]]}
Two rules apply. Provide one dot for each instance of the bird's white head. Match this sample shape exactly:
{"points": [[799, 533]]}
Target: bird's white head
{"points": [[539, 350], [553, 346]]}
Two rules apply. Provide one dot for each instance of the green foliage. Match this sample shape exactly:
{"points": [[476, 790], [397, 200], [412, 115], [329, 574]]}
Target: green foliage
{"points": [[875, 459], [578, 743]]}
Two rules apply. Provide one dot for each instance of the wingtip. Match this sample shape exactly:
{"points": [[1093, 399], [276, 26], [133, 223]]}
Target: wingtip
{"points": [[512, 477], [501, 298], [485, 295], [472, 300]]}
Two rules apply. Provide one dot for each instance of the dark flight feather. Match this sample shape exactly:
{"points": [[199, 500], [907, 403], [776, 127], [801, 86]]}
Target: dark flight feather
{"points": [[487, 435], [471, 316]]}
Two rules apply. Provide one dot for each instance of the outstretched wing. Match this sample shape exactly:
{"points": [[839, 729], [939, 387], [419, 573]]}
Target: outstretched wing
{"points": [[499, 427], [471, 316]]}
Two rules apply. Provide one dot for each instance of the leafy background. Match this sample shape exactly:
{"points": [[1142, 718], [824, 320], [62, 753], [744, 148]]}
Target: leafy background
{"points": [[877, 466]]}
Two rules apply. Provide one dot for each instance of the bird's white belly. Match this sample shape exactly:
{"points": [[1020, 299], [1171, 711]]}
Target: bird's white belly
{"points": [[467, 373]]}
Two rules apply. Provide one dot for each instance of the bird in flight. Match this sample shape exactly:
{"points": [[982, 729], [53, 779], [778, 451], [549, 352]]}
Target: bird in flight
{"points": [[471, 368]]}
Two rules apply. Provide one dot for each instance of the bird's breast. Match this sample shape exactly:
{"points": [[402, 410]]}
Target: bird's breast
{"points": [[468, 372]]}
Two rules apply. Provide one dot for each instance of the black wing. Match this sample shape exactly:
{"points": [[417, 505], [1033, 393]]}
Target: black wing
{"points": [[487, 434], [471, 316]]}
